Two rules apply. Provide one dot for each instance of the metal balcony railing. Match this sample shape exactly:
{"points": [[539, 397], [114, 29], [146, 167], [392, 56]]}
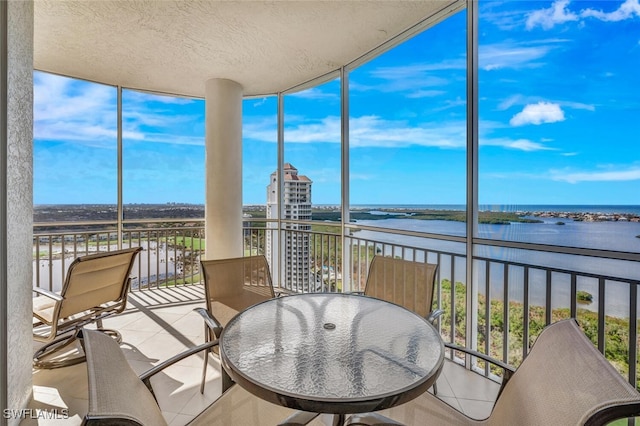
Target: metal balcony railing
{"points": [[170, 255], [516, 290]]}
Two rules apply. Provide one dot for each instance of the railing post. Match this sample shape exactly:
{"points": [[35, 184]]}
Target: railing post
{"points": [[525, 313], [633, 334], [344, 203], [472, 168], [120, 208], [601, 309], [279, 264], [505, 313]]}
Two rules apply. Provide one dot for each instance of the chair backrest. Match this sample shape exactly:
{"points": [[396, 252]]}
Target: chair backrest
{"points": [[116, 394], [403, 282], [236, 283], [564, 380], [96, 279]]}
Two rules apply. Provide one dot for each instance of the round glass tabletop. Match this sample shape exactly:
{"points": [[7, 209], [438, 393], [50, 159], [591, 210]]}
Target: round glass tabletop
{"points": [[332, 353]]}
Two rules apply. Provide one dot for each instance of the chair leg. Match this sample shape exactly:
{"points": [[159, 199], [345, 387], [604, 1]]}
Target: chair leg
{"points": [[206, 359], [52, 347], [60, 343], [435, 388], [115, 334]]}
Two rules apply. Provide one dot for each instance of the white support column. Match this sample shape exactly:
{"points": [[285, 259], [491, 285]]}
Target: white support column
{"points": [[223, 169]]}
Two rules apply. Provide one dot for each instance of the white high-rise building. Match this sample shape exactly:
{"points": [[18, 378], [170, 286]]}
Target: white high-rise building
{"points": [[295, 267]]}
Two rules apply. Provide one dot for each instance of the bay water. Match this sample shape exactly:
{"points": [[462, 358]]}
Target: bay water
{"points": [[620, 236]]}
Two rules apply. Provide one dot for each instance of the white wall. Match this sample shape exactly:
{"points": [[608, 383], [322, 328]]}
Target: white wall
{"points": [[19, 203]]}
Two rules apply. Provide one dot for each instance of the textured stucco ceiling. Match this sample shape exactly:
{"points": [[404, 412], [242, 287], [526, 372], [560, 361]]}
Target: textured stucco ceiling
{"points": [[175, 46]]}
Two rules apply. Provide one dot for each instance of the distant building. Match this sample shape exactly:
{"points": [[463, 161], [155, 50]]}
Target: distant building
{"points": [[295, 263]]}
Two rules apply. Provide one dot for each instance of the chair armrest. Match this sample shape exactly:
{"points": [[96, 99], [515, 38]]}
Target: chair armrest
{"points": [[282, 292], [210, 321], [48, 294], [506, 367], [146, 376], [434, 315], [508, 370]]}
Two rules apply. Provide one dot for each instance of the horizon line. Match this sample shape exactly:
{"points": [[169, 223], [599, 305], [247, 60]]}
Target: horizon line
{"points": [[338, 204]]}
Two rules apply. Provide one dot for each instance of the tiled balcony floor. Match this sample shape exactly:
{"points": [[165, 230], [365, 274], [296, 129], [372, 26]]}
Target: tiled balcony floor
{"points": [[160, 323]]}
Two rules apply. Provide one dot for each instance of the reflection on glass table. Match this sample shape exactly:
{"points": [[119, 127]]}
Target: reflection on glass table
{"points": [[332, 353]]}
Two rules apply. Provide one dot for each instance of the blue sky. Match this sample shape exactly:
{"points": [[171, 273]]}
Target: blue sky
{"points": [[559, 111]]}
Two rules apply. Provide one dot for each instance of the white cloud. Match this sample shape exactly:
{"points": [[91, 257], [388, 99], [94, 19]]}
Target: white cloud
{"points": [[259, 102], [409, 84], [542, 112], [60, 98], [547, 18], [559, 13], [505, 20], [325, 174], [451, 103], [576, 105], [515, 55], [515, 144], [164, 138], [413, 78], [315, 93], [362, 176], [74, 111], [134, 95], [426, 94], [417, 70], [627, 10], [261, 128], [511, 101], [629, 174], [365, 131], [79, 112], [374, 131], [519, 99], [324, 130]]}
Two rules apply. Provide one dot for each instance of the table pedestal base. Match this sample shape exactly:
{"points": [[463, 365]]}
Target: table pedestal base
{"points": [[302, 418], [338, 419], [299, 418], [371, 419]]}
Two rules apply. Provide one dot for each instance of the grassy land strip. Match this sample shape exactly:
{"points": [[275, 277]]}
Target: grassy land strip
{"points": [[196, 243], [499, 218], [616, 332]]}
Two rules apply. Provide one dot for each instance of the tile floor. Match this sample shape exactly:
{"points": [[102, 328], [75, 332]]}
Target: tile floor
{"points": [[160, 323]]}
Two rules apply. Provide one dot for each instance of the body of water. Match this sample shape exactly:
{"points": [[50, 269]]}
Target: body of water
{"points": [[559, 208], [614, 236]]}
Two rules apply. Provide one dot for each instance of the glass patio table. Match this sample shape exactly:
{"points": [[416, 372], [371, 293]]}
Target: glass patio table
{"points": [[332, 353]]}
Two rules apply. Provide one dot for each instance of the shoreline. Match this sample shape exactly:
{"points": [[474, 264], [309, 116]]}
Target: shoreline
{"points": [[585, 217], [158, 212], [484, 217]]}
